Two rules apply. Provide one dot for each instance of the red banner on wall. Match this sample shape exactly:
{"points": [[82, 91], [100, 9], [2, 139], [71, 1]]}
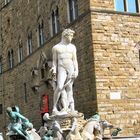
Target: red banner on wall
{"points": [[45, 104]]}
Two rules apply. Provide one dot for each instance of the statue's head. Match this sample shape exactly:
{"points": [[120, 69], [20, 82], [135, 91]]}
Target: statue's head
{"points": [[9, 109], [68, 34], [46, 117]]}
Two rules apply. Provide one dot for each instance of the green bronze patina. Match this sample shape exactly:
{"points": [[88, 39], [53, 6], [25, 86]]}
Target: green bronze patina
{"points": [[18, 123]]}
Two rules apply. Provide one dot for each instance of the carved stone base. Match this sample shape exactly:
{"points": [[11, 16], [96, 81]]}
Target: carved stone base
{"points": [[73, 126], [70, 125], [66, 120]]}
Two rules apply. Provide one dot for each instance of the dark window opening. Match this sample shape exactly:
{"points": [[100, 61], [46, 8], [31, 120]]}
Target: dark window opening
{"points": [[73, 9], [41, 33], [11, 59], [55, 22], [29, 43], [8, 22], [137, 6], [1, 109], [125, 6], [25, 93], [42, 73], [70, 10], [20, 52]]}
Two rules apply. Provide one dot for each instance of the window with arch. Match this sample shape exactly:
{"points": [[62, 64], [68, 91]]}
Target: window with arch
{"points": [[72, 10], [25, 93], [11, 58], [20, 52], [29, 44], [127, 6], [7, 1], [41, 33], [0, 65], [55, 21]]}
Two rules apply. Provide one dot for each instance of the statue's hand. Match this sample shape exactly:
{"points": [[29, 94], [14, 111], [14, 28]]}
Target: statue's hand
{"points": [[53, 74], [53, 70], [75, 74]]}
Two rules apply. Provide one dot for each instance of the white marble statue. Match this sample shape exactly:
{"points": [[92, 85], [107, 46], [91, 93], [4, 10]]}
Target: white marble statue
{"points": [[57, 131], [74, 133], [1, 137], [94, 128], [65, 70]]}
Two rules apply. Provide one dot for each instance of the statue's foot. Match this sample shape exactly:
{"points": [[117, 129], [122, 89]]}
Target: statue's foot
{"points": [[63, 112], [75, 113], [60, 113]]}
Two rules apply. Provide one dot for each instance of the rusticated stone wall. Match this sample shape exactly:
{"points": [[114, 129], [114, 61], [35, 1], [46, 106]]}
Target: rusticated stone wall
{"points": [[102, 4], [21, 17], [117, 68]]}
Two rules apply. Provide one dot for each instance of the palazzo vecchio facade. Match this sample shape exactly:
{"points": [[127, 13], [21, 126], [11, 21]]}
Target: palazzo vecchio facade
{"points": [[108, 50]]}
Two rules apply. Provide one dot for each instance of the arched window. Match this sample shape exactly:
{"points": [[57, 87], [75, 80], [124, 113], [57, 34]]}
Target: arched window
{"points": [[41, 33], [7, 1], [11, 58], [72, 10], [29, 44], [55, 21], [20, 52], [25, 93]]}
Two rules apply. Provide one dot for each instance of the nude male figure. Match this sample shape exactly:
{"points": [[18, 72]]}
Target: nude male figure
{"points": [[65, 69]]}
